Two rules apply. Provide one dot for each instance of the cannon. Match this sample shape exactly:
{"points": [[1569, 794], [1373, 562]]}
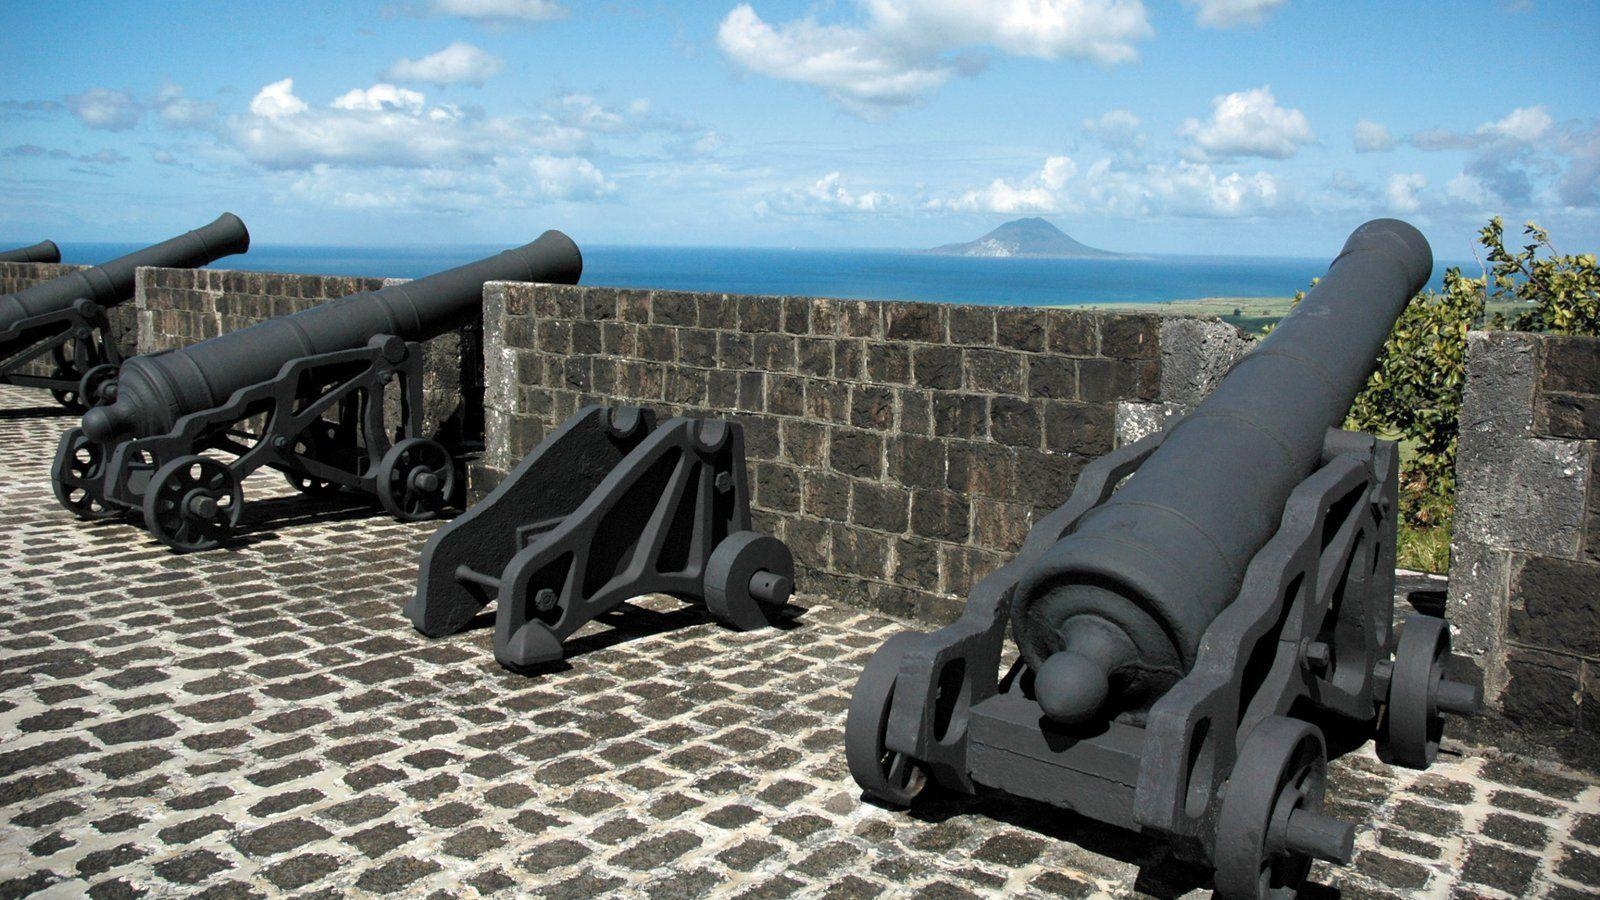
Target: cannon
{"points": [[1207, 601], [330, 396], [608, 508], [65, 317], [42, 252]]}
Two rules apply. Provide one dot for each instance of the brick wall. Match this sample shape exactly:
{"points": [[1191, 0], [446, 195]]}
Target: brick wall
{"points": [[15, 276], [902, 449], [177, 307], [1525, 560]]}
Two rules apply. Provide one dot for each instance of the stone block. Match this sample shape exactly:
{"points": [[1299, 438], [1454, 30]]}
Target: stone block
{"points": [[1555, 605], [1480, 581], [1526, 495], [1195, 354], [1571, 365], [1542, 690], [1574, 416]]}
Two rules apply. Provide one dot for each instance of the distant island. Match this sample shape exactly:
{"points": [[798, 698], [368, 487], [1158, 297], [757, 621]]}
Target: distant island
{"points": [[1031, 237]]}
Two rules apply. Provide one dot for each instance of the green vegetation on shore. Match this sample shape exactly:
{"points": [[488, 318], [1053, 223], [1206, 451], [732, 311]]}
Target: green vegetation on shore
{"points": [[1250, 314]]}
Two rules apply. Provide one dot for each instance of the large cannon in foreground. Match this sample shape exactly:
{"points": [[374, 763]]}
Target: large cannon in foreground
{"points": [[1205, 598], [42, 252], [65, 317], [304, 394]]}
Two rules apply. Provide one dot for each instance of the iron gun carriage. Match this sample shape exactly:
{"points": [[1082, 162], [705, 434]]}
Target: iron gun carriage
{"points": [[1205, 603], [65, 318], [331, 396]]}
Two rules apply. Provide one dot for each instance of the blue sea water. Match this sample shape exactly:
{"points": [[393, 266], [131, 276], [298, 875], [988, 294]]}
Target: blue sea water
{"points": [[853, 274]]}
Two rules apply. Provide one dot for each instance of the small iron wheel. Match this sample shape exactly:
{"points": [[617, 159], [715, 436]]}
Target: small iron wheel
{"points": [[748, 580], [1412, 722], [97, 385], [79, 462], [415, 479], [193, 503], [884, 774], [1271, 823]]}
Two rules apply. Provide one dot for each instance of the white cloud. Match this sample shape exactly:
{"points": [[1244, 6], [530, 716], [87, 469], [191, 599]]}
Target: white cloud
{"points": [[381, 97], [382, 125], [105, 109], [277, 101], [828, 195], [1118, 129], [1228, 13], [829, 191], [1401, 191], [1248, 123], [500, 10], [1370, 137], [1523, 125], [1107, 187], [1469, 191], [905, 50], [178, 111], [459, 63]]}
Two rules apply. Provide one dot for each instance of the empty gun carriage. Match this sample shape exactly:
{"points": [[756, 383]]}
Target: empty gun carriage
{"points": [[42, 252], [1205, 603], [65, 320], [609, 507], [307, 394]]}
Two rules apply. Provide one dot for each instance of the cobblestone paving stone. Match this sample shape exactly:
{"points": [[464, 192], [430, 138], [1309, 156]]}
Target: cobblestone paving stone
{"points": [[261, 720]]}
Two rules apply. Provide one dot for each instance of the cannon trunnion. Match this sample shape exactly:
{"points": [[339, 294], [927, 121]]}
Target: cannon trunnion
{"points": [[609, 507], [1207, 600], [330, 396], [64, 319]]}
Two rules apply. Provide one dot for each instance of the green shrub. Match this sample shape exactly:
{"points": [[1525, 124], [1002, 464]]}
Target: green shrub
{"points": [[1415, 394]]}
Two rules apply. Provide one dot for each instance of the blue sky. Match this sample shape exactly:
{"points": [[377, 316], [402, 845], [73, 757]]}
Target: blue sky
{"points": [[1261, 127]]}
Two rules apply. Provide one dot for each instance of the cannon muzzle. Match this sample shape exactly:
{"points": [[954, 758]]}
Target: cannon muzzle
{"points": [[1113, 613], [42, 252], [111, 283], [154, 391]]}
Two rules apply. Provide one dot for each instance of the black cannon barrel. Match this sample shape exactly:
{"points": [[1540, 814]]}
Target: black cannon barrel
{"points": [[111, 283], [42, 252], [153, 391], [1118, 606]]}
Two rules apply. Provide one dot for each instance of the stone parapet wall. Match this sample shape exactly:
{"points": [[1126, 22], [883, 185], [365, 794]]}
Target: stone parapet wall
{"points": [[1525, 559], [178, 307], [902, 449]]}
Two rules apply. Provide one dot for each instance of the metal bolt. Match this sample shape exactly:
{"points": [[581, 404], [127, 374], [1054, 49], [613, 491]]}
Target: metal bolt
{"points": [[544, 600], [426, 481], [385, 376], [203, 507], [1315, 655], [724, 482], [281, 442]]}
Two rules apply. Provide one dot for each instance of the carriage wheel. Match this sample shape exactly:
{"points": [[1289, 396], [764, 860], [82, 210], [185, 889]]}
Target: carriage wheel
{"points": [[882, 773], [748, 579], [193, 503], [415, 479], [79, 462], [1271, 824]]}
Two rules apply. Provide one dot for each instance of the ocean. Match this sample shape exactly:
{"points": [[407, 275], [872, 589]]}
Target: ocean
{"points": [[852, 274]]}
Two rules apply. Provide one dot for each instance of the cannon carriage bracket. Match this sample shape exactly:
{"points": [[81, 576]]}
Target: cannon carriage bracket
{"points": [[321, 421], [80, 344], [1229, 765], [609, 507]]}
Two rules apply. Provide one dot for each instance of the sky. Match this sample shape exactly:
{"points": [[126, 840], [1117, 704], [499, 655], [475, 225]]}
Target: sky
{"points": [[1232, 127]]}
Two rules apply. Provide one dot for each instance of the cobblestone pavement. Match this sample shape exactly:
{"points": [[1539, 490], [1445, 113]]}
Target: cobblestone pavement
{"points": [[261, 720]]}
